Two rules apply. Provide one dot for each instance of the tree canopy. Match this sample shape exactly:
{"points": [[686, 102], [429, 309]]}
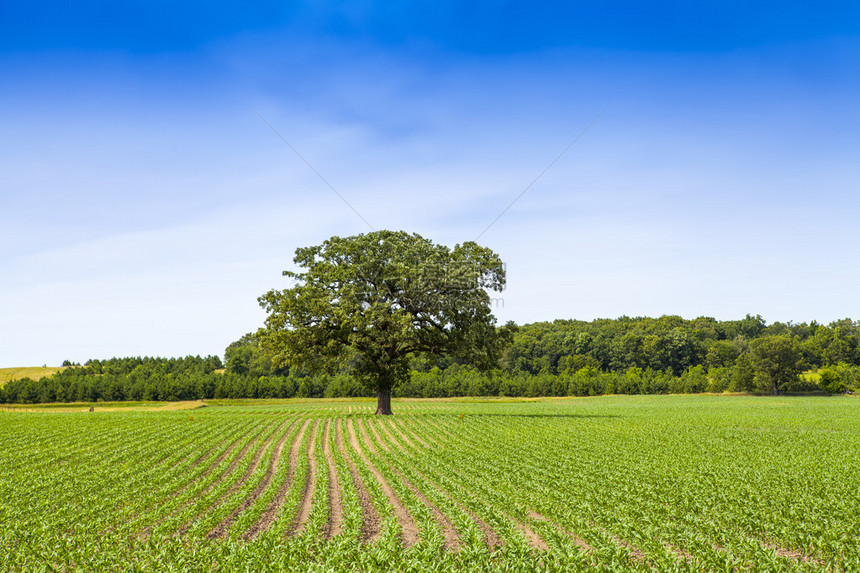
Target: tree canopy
{"points": [[374, 301], [777, 361]]}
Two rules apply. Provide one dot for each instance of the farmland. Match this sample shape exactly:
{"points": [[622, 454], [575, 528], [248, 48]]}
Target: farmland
{"points": [[34, 372], [610, 483]]}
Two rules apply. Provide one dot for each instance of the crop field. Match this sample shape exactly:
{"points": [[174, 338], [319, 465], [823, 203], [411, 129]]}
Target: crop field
{"points": [[672, 483]]}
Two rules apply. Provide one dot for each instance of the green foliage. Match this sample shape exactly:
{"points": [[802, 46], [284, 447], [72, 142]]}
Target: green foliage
{"points": [[671, 342], [719, 379], [777, 362], [576, 362], [246, 357], [165, 379], [694, 380], [743, 375], [720, 354], [831, 381]]}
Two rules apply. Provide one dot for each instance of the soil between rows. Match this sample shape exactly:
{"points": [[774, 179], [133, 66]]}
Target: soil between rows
{"points": [[255, 460], [371, 521], [491, 539], [271, 513], [308, 489], [334, 523], [408, 529], [222, 529], [449, 532], [145, 532]]}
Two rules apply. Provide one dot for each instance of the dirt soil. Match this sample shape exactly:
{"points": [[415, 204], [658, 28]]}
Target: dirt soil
{"points": [[255, 460], [310, 483], [582, 544], [491, 539], [371, 523], [449, 532], [408, 528], [223, 528], [270, 514], [335, 518]]}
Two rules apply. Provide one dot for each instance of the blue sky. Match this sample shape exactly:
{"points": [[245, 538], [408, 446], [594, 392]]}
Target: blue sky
{"points": [[144, 205]]}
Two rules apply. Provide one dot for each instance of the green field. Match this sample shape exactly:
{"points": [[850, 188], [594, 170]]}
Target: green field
{"points": [[673, 483]]}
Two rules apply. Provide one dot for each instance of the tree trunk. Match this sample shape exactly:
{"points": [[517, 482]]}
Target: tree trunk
{"points": [[383, 403]]}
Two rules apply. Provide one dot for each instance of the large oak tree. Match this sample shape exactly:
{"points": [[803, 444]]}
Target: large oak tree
{"points": [[375, 300]]}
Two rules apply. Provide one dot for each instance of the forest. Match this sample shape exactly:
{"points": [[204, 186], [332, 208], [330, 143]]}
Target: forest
{"points": [[665, 355]]}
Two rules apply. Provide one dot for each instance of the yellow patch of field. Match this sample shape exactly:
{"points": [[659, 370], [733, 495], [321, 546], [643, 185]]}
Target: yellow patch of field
{"points": [[186, 405], [105, 406], [34, 372]]}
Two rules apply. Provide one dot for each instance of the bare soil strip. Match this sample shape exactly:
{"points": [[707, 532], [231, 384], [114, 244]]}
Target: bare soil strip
{"points": [[639, 556], [437, 440], [636, 554], [780, 551], [334, 524], [576, 540], [531, 536], [370, 528], [254, 462], [404, 429], [449, 532], [222, 529], [310, 483], [747, 565], [491, 538], [408, 528], [271, 513], [294, 451]]}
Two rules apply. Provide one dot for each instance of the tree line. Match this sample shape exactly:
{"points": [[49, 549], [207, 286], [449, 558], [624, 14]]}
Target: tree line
{"points": [[626, 355], [753, 355]]}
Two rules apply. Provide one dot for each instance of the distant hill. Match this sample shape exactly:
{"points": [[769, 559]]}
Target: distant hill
{"points": [[33, 372]]}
